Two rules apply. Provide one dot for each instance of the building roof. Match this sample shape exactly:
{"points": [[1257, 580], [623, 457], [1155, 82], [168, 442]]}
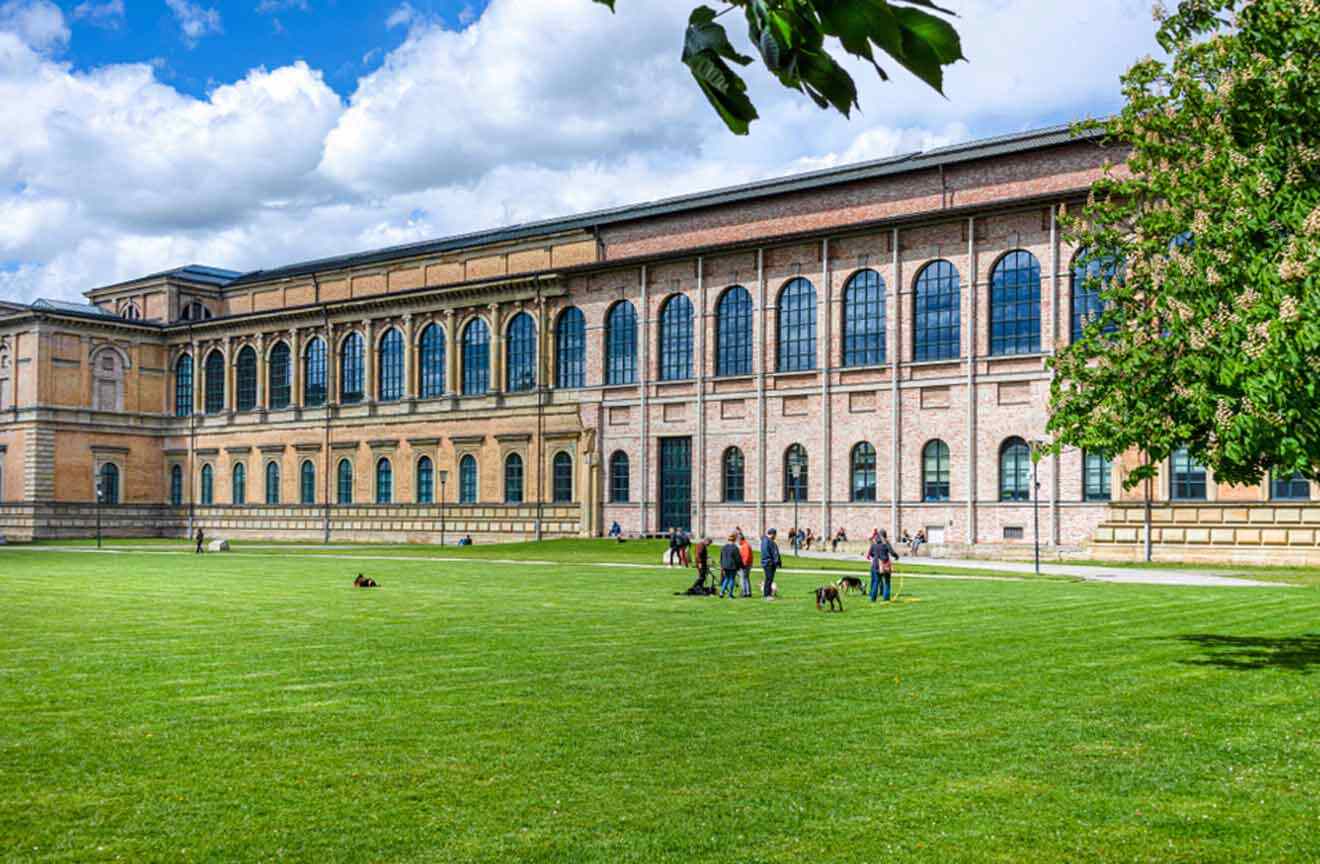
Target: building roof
{"points": [[87, 309]]}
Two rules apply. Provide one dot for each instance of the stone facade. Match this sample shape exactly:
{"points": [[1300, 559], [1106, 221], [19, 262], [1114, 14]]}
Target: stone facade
{"points": [[85, 388]]}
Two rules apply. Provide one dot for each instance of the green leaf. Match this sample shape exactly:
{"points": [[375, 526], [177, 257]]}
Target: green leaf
{"points": [[929, 44], [706, 47], [609, 3]]}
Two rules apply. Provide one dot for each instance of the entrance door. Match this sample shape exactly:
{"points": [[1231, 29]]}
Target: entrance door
{"points": [[675, 483]]}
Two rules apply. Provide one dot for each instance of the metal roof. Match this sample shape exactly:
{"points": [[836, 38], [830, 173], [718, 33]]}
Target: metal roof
{"points": [[71, 308]]}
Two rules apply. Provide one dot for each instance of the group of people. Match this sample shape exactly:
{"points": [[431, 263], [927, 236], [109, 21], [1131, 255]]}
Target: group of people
{"points": [[913, 542]]}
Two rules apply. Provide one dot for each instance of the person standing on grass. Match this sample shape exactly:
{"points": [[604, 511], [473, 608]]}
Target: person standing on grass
{"points": [[730, 564], [745, 556], [673, 546], [882, 556], [201, 538], [770, 561], [701, 557], [684, 547]]}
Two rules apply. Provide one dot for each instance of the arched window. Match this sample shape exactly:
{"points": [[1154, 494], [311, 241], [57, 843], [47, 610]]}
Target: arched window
{"points": [[513, 479], [562, 478], [425, 481], [272, 482], [863, 472], [570, 349], [864, 319], [344, 486], [314, 389], [351, 386], [795, 473], [183, 386], [1189, 479], [239, 488], [215, 382], [1090, 276], [384, 482], [130, 312], [935, 471], [247, 378], [1014, 470], [176, 486], [109, 483], [733, 332], [1097, 476], [520, 355], [732, 476], [389, 366], [195, 311], [619, 477], [1015, 304], [797, 326], [281, 389], [937, 317], [307, 483], [621, 344], [208, 485], [1290, 487], [676, 338], [476, 358], [432, 362], [467, 480]]}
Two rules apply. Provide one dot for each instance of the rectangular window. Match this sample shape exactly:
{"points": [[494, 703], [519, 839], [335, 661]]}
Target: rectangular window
{"points": [[1097, 480], [1013, 532], [1189, 477], [1294, 487]]}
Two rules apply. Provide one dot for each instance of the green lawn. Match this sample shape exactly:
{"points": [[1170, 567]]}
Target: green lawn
{"points": [[244, 707]]}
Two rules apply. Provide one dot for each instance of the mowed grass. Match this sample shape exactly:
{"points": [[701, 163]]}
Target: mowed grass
{"points": [[165, 707]]}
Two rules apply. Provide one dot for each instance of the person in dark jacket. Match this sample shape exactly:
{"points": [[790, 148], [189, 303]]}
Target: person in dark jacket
{"points": [[770, 561], [882, 556], [730, 564], [201, 538], [701, 557]]}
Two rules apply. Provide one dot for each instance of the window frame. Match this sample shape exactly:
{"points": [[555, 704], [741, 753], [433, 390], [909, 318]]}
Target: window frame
{"points": [[344, 482], [1097, 478], [937, 313], [476, 357], [1014, 314], [272, 490], [424, 489], [936, 471], [1183, 480], [570, 349], [865, 321], [215, 382], [675, 337], [795, 326], [514, 479], [863, 463], [306, 482], [469, 481], [431, 362], [315, 383], [733, 476], [621, 344], [620, 477], [389, 366], [520, 354], [1015, 470], [796, 491], [352, 369], [183, 386], [279, 372], [734, 317], [384, 480], [561, 473]]}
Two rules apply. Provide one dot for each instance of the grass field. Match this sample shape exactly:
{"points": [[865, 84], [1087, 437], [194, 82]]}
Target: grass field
{"points": [[253, 706]]}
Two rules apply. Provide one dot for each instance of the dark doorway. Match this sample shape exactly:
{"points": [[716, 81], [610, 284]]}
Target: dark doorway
{"points": [[675, 483]]}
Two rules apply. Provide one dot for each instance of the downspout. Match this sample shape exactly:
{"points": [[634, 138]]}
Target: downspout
{"points": [[325, 319], [192, 432], [541, 373]]}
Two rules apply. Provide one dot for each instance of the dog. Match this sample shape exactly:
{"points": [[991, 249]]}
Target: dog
{"points": [[364, 582], [829, 595], [774, 588], [848, 584]]}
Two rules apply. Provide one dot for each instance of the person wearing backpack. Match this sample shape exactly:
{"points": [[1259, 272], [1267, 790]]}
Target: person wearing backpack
{"points": [[882, 556]]}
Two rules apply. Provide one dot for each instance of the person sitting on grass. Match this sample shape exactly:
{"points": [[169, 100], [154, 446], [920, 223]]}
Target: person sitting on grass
{"points": [[840, 536], [465, 540], [616, 531]]}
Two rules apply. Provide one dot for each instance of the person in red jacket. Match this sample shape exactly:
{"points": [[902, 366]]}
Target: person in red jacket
{"points": [[745, 551]]}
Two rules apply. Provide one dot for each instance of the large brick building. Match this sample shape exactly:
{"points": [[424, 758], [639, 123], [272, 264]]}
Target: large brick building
{"points": [[886, 326]]}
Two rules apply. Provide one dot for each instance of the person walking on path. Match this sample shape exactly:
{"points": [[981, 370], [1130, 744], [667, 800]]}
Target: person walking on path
{"points": [[770, 561], [730, 564], [201, 538], [882, 556], [745, 556]]}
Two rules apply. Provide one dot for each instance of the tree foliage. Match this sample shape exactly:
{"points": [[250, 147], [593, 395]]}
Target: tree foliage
{"points": [[794, 39], [1210, 333]]}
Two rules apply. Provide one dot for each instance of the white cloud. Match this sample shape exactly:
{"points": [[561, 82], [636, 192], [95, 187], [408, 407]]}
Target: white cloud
{"points": [[269, 7], [109, 14], [403, 15], [38, 23], [195, 21]]}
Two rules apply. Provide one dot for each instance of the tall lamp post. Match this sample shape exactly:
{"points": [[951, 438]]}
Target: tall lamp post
{"points": [[100, 496], [444, 476], [795, 472]]}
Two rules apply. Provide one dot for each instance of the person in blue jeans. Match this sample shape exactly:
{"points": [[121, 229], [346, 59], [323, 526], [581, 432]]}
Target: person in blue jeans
{"points": [[730, 564], [770, 560], [882, 556]]}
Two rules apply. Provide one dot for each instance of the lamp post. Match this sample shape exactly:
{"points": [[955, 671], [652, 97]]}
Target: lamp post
{"points": [[795, 472], [99, 497], [444, 476]]}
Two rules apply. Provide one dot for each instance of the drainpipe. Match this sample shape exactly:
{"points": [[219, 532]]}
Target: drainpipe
{"points": [[540, 404], [192, 430], [325, 318]]}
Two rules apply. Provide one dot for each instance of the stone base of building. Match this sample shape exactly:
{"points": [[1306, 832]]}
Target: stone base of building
{"points": [[1209, 533]]}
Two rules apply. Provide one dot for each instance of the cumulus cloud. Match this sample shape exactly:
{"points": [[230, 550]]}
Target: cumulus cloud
{"points": [[109, 14], [38, 23], [194, 20]]}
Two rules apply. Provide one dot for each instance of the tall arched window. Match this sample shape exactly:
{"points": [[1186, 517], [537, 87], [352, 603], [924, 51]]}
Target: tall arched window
{"points": [[239, 486], [384, 482], [513, 479], [352, 387], [344, 486], [314, 389], [1014, 470], [570, 348], [183, 386], [863, 472], [1188, 482], [215, 382], [795, 473], [562, 473], [307, 483], [176, 486], [1089, 277], [733, 332], [797, 326], [621, 344], [467, 480], [109, 483], [1015, 304], [389, 367], [476, 358], [247, 378], [935, 471], [864, 319], [208, 485], [425, 481], [431, 366], [281, 391], [619, 477], [1096, 481], [731, 475], [272, 482], [520, 354], [937, 317], [676, 338]]}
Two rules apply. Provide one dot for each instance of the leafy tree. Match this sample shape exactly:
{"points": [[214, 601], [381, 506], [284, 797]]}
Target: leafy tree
{"points": [[791, 37], [1210, 331]]}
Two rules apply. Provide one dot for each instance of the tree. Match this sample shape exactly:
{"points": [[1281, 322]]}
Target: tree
{"points": [[1204, 247], [791, 37]]}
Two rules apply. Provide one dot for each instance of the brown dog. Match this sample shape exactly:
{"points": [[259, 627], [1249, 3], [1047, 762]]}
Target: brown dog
{"points": [[848, 584], [364, 582], [829, 595]]}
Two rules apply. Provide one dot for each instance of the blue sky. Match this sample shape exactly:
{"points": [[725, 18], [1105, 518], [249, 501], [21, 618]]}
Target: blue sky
{"points": [[147, 134]]}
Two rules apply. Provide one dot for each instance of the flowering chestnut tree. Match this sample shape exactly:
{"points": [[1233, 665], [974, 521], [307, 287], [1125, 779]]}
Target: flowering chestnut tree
{"points": [[1204, 248]]}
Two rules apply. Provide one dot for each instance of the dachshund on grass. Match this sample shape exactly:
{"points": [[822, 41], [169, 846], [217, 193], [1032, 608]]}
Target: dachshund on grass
{"points": [[829, 595], [848, 584], [364, 582]]}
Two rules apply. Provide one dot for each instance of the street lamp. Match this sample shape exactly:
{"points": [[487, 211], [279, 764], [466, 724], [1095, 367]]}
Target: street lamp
{"points": [[99, 497], [444, 476], [795, 472]]}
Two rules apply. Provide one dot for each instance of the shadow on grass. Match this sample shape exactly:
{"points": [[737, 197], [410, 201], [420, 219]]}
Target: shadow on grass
{"points": [[1298, 653]]}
